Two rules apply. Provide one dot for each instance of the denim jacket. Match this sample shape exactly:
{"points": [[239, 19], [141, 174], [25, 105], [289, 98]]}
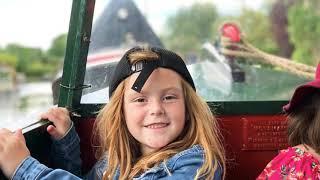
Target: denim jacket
{"points": [[66, 153]]}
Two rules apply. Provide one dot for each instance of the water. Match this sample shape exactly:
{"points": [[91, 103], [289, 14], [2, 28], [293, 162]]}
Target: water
{"points": [[24, 105]]}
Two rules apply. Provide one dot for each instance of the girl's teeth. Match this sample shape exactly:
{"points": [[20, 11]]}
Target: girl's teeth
{"points": [[158, 125]]}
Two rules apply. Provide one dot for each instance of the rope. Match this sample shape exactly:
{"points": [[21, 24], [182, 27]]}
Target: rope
{"points": [[249, 52]]}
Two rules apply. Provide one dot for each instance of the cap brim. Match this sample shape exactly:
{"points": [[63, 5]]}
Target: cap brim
{"points": [[300, 93]]}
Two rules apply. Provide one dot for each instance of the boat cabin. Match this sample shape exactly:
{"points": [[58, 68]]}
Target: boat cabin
{"points": [[245, 96]]}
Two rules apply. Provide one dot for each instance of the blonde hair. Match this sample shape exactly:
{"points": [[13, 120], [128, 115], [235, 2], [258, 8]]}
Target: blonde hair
{"points": [[123, 150]]}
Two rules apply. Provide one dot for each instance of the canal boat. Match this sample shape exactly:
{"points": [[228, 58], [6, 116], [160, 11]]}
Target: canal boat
{"points": [[246, 97]]}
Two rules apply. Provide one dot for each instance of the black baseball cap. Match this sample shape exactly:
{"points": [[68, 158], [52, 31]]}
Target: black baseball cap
{"points": [[167, 59]]}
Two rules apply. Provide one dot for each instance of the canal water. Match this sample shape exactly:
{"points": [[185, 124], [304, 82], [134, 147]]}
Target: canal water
{"points": [[24, 105]]}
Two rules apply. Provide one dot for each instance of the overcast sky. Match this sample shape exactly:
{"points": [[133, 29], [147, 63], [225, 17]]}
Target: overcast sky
{"points": [[36, 22]]}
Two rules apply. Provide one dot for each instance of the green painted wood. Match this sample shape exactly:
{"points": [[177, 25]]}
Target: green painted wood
{"points": [[247, 107], [76, 53]]}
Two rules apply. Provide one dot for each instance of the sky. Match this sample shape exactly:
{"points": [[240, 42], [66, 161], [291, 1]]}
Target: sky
{"points": [[35, 23]]}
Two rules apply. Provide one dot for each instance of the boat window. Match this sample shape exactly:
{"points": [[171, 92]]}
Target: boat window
{"points": [[32, 45], [235, 50]]}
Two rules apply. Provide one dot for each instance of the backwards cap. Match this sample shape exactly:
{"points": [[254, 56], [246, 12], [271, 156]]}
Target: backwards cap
{"points": [[302, 91], [167, 59]]}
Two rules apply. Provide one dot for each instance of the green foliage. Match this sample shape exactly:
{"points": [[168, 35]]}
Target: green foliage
{"points": [[304, 31], [8, 59], [304, 56], [33, 62], [257, 30], [38, 69], [25, 55], [58, 47], [190, 27]]}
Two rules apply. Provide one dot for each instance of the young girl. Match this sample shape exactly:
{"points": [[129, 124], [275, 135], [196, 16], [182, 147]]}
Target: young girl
{"points": [[154, 127], [302, 159]]}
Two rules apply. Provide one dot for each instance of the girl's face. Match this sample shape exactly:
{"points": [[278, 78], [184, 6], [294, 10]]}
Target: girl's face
{"points": [[156, 115]]}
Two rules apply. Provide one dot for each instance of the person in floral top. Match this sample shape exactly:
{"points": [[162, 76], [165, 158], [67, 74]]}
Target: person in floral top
{"points": [[302, 159]]}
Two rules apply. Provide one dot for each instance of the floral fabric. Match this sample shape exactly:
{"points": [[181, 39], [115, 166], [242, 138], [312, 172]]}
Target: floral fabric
{"points": [[292, 163]]}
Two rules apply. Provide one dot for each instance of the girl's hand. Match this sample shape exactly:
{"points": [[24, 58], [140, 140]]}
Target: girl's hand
{"points": [[61, 122], [13, 151]]}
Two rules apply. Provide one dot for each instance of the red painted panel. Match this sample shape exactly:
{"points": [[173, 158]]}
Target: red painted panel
{"points": [[84, 129], [251, 141]]}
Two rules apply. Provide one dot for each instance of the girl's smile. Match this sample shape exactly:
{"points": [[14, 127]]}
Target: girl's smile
{"points": [[157, 125]]}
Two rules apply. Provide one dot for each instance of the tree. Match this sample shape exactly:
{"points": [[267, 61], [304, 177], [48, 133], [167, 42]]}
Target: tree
{"points": [[58, 47], [8, 59], [38, 69], [32, 61], [190, 27], [304, 30], [256, 27], [279, 24], [25, 55]]}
